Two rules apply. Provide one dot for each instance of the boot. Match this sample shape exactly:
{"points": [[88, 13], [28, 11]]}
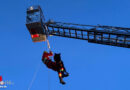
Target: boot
{"points": [[61, 81]]}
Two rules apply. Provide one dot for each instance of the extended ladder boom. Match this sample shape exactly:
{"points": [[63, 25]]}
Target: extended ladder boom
{"points": [[109, 35]]}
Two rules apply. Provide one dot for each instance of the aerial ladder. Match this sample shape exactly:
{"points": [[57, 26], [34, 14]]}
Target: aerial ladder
{"points": [[99, 34]]}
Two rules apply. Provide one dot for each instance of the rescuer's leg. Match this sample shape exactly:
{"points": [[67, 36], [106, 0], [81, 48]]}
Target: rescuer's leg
{"points": [[60, 77], [63, 70], [65, 74]]}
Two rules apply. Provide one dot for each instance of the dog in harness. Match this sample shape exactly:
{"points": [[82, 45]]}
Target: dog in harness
{"points": [[56, 65]]}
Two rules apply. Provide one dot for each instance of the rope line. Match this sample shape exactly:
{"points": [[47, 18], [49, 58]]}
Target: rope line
{"points": [[49, 81], [48, 44], [49, 48], [34, 76], [49, 78]]}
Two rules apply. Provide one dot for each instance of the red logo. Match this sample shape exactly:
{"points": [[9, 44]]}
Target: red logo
{"points": [[4, 84], [1, 78]]}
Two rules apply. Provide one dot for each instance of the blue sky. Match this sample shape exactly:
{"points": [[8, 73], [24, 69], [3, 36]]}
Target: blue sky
{"points": [[91, 66]]}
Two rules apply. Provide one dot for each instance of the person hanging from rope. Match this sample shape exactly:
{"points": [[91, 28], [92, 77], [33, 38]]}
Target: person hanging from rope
{"points": [[56, 65]]}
